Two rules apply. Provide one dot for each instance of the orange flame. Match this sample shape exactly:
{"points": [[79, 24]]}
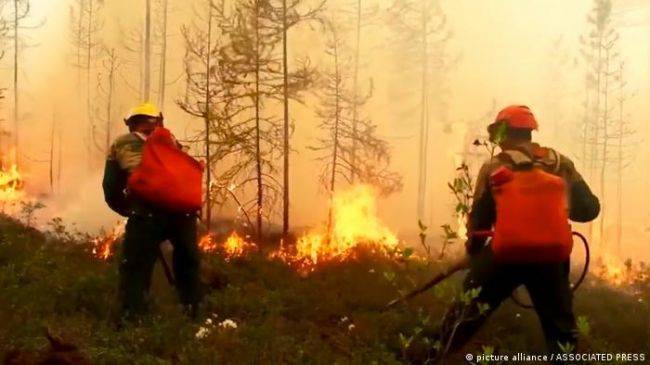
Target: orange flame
{"points": [[354, 223], [207, 243], [613, 271], [233, 247], [104, 246], [10, 184]]}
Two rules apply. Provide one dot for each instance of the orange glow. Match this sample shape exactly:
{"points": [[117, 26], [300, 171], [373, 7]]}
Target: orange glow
{"points": [[104, 246], [10, 184], [354, 223], [233, 247], [207, 243], [613, 271]]}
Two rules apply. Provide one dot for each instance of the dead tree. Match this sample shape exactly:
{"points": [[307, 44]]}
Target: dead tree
{"points": [[210, 96], [146, 93], [624, 150], [106, 92], [85, 28], [601, 57], [291, 14], [20, 11], [346, 137], [421, 38], [162, 71], [4, 31], [258, 75]]}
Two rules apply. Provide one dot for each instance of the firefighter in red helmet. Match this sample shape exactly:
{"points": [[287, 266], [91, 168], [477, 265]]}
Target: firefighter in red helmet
{"points": [[547, 281]]}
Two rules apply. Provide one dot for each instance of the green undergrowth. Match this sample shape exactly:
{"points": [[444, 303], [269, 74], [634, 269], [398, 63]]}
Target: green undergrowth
{"points": [[51, 282]]}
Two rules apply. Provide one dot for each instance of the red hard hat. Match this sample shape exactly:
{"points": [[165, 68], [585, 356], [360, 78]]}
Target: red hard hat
{"points": [[517, 116]]}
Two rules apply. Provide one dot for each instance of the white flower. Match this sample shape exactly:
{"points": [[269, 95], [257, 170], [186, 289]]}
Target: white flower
{"points": [[202, 333], [351, 327], [228, 323], [208, 321], [344, 319], [517, 315]]}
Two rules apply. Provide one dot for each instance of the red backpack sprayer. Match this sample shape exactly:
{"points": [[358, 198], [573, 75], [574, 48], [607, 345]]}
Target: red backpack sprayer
{"points": [[531, 220]]}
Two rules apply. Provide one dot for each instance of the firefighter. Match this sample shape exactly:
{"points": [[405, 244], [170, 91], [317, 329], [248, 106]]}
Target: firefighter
{"points": [[547, 282], [147, 226]]}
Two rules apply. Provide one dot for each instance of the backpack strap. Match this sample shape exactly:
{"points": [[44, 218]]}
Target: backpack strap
{"points": [[521, 158], [517, 157]]}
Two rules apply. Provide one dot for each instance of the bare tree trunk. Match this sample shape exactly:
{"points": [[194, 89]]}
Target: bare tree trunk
{"points": [[208, 182], [163, 58], [109, 102], [619, 174], [89, 113], [51, 170], [619, 194], [258, 152], [335, 152], [16, 113], [355, 93], [603, 166], [147, 52], [596, 131], [59, 159], [285, 66], [424, 121]]}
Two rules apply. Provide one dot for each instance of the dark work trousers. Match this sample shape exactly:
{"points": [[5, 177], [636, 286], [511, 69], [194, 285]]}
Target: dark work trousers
{"points": [[144, 233], [547, 284]]}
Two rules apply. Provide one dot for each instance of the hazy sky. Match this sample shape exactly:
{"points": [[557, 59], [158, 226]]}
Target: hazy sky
{"points": [[510, 51]]}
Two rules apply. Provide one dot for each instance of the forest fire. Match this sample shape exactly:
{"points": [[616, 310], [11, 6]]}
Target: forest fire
{"points": [[10, 184], [233, 247], [105, 244], [613, 271], [354, 223]]}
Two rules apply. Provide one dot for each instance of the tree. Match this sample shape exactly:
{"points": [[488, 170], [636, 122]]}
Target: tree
{"points": [[162, 72], [346, 137], [106, 87], [146, 94], [21, 10], [4, 30], [258, 75], [421, 38], [210, 96], [599, 52], [624, 135], [290, 16], [85, 28]]}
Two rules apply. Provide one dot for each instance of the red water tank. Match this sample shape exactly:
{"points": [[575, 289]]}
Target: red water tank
{"points": [[167, 177], [532, 223]]}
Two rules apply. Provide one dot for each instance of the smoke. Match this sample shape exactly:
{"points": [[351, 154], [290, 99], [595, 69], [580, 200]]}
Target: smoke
{"points": [[506, 52]]}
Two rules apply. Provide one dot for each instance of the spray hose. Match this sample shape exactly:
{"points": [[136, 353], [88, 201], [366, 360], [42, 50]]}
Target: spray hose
{"points": [[464, 264]]}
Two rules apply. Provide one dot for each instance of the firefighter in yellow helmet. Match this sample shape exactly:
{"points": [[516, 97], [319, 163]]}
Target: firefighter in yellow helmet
{"points": [[147, 226]]}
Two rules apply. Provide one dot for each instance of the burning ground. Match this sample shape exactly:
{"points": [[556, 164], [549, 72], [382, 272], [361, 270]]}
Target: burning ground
{"points": [[261, 309]]}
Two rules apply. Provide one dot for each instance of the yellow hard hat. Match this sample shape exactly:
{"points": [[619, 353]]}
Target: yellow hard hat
{"points": [[146, 109]]}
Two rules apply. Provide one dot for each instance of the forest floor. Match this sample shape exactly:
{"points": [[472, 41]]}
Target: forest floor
{"points": [[51, 283]]}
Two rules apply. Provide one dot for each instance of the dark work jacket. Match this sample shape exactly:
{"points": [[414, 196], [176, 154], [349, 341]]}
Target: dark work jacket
{"points": [[583, 204]]}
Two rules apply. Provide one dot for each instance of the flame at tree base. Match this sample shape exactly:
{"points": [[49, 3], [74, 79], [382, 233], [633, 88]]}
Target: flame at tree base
{"points": [[104, 246], [618, 273], [233, 247], [354, 223]]}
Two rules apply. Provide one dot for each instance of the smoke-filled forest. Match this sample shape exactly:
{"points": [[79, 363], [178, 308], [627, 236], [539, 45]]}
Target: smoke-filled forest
{"points": [[340, 146]]}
